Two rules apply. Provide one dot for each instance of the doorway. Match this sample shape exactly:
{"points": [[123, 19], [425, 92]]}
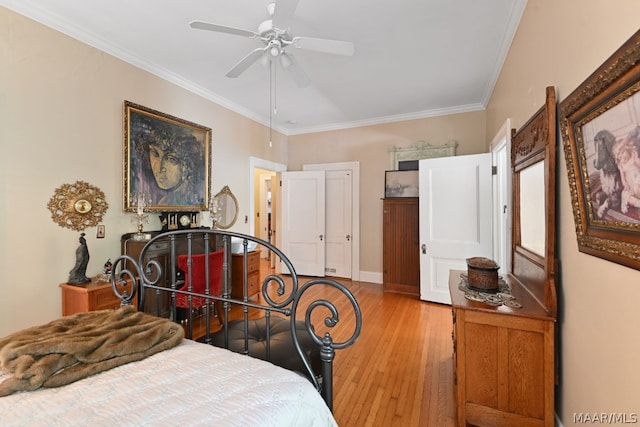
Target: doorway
{"points": [[259, 166], [264, 212], [259, 170]]}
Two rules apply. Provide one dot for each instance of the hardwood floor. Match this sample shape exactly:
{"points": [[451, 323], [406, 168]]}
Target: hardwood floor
{"points": [[400, 371]]}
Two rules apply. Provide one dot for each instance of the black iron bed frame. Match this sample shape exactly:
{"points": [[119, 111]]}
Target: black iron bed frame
{"points": [[279, 294]]}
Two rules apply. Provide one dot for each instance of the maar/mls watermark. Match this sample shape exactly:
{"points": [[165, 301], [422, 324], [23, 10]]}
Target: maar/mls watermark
{"points": [[605, 417]]}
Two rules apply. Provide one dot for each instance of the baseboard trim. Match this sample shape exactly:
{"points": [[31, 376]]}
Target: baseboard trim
{"points": [[371, 277]]}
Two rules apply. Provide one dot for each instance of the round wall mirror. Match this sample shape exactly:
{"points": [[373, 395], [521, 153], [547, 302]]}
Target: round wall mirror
{"points": [[224, 209]]}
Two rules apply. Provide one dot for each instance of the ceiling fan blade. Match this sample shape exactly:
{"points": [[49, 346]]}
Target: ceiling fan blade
{"points": [[298, 74], [283, 13], [245, 62], [199, 25], [336, 47]]}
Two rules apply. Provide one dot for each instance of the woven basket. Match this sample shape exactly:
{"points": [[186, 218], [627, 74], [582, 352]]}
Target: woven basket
{"points": [[483, 274]]}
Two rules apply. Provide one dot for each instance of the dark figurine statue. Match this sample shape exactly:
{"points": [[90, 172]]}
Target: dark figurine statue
{"points": [[107, 267], [77, 275]]}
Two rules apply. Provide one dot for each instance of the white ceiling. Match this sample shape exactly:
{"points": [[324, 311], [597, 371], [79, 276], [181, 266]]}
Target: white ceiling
{"points": [[413, 58]]}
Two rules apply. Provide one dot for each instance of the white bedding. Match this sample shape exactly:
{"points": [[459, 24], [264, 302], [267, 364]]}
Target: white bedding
{"points": [[189, 385]]}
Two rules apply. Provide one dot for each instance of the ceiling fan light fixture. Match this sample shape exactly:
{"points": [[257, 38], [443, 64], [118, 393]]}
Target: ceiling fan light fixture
{"points": [[274, 33]]}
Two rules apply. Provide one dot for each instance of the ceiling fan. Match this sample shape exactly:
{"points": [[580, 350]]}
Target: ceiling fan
{"points": [[278, 42]]}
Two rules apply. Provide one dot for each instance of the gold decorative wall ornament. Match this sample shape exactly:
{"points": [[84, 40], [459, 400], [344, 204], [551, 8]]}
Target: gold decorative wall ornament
{"points": [[77, 206]]}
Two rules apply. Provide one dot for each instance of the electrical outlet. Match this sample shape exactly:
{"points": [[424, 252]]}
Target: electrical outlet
{"points": [[100, 232]]}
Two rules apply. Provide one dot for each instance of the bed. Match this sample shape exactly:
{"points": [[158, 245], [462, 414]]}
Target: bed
{"points": [[237, 371]]}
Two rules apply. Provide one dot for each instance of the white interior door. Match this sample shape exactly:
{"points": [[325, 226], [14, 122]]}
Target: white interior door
{"points": [[455, 219], [341, 230], [301, 221], [338, 223]]}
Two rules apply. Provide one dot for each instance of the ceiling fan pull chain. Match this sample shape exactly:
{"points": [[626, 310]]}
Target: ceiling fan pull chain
{"points": [[275, 93], [271, 96]]}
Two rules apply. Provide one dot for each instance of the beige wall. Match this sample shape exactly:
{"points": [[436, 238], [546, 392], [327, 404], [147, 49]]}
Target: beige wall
{"points": [[61, 105], [560, 43], [61, 109], [370, 146]]}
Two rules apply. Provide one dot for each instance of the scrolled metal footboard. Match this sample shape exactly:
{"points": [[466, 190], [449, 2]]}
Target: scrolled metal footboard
{"points": [[321, 302], [326, 341]]}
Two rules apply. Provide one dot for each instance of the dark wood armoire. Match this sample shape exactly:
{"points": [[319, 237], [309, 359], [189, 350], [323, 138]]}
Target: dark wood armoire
{"points": [[400, 247]]}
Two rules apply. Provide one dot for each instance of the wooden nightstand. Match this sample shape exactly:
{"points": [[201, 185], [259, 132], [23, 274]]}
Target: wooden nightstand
{"points": [[89, 297], [237, 274]]}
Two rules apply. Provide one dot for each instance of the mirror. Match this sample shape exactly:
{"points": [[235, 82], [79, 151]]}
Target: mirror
{"points": [[533, 155], [532, 218], [224, 209]]}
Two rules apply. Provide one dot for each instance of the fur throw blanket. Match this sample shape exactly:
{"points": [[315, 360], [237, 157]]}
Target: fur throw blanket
{"points": [[80, 345]]}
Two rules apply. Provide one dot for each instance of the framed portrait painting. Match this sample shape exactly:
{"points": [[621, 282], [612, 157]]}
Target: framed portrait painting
{"points": [[166, 161], [600, 125]]}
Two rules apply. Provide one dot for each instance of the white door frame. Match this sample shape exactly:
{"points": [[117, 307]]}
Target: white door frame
{"points": [[501, 143], [354, 167], [256, 162], [265, 180]]}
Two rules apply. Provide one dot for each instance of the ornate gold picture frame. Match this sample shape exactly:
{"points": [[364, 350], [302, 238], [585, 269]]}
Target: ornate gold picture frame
{"points": [[166, 159], [600, 123]]}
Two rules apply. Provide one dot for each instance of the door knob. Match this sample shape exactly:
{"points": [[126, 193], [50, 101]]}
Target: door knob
{"points": [[348, 237], [424, 249], [321, 237]]}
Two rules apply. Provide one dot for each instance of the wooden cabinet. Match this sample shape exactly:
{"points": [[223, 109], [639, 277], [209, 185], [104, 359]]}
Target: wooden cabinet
{"points": [[237, 274], [503, 360], [400, 247], [154, 303], [88, 297]]}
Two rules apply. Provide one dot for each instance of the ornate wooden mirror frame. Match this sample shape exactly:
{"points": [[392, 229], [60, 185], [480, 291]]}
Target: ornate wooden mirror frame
{"points": [[420, 150], [534, 260], [224, 209]]}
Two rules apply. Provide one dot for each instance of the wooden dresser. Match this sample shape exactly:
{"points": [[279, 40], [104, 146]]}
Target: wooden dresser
{"points": [[237, 274], [504, 348], [504, 360], [89, 297], [400, 245]]}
